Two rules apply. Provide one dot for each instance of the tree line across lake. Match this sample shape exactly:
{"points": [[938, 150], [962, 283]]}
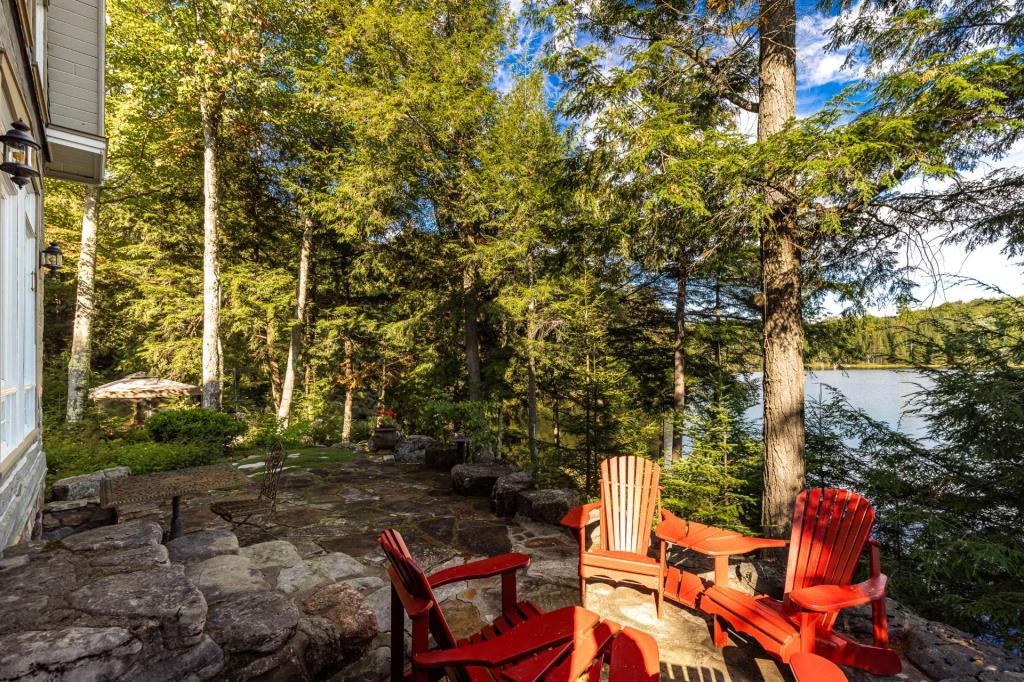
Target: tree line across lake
{"points": [[548, 230]]}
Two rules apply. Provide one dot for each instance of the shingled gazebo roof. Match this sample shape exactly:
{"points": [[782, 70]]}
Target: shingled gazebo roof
{"points": [[139, 386]]}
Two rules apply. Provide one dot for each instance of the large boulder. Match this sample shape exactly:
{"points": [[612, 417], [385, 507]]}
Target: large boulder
{"points": [[74, 653], [86, 485], [225, 577], [441, 456], [122, 536], [315, 571], [128, 560], [478, 479], [339, 625], [162, 595], [260, 622], [201, 662], [412, 449], [347, 609], [547, 506], [505, 494], [273, 554], [202, 545], [945, 653]]}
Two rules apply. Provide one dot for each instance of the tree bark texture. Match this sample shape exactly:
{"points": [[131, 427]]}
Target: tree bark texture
{"points": [[295, 338], [471, 305], [780, 270], [350, 390], [531, 406], [210, 110], [81, 340], [275, 369], [679, 362]]}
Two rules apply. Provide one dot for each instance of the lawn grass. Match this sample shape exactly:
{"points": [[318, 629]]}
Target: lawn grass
{"points": [[307, 458]]}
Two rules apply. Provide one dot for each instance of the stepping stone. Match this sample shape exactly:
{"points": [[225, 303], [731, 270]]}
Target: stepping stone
{"points": [[484, 537], [441, 529]]}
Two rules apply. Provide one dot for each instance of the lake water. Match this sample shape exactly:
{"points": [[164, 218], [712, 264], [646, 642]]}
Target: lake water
{"points": [[884, 394]]}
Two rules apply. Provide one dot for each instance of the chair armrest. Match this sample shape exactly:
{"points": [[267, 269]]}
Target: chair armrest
{"points": [[539, 633], [744, 544], [828, 598], [484, 568], [634, 657], [670, 526], [580, 516]]}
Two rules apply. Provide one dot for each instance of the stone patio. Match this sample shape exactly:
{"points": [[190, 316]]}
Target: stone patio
{"points": [[325, 529]]}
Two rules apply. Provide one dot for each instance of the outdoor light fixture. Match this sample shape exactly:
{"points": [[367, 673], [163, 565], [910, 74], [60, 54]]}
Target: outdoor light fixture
{"points": [[51, 258], [19, 153]]}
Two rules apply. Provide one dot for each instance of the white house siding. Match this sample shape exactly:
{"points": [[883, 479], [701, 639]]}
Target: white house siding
{"points": [[75, 64], [22, 462]]}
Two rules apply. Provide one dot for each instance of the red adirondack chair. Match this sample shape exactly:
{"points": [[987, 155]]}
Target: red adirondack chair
{"points": [[522, 644], [629, 497], [830, 530], [813, 668]]}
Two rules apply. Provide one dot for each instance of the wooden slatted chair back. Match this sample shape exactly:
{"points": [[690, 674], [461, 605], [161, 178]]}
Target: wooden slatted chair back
{"points": [[408, 577], [830, 529], [630, 496]]}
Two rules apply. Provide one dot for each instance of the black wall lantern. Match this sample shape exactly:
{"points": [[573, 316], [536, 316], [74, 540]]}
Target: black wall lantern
{"points": [[20, 151], [51, 258]]}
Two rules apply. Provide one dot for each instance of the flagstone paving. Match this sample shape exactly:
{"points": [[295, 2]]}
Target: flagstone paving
{"points": [[341, 506]]}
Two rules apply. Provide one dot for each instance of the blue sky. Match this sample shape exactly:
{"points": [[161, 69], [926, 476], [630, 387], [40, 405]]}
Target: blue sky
{"points": [[943, 272]]}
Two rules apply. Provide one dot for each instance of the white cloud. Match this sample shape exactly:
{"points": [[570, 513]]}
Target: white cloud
{"points": [[815, 66]]}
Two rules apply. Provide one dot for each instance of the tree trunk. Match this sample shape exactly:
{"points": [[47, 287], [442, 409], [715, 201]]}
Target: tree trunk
{"points": [[381, 394], [275, 370], [350, 389], [309, 375], [679, 360], [531, 406], [588, 433], [81, 342], [210, 111], [295, 340], [472, 335], [556, 428], [780, 271]]}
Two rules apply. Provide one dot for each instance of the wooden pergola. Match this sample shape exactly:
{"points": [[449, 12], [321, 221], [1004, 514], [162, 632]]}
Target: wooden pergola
{"points": [[141, 390]]}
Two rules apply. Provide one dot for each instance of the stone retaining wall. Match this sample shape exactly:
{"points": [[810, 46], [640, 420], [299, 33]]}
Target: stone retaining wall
{"points": [[114, 604], [21, 496]]}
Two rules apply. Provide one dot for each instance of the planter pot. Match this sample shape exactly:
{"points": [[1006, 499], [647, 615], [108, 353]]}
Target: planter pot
{"points": [[384, 438]]}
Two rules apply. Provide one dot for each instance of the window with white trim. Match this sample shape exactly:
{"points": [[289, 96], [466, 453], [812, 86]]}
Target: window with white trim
{"points": [[17, 316]]}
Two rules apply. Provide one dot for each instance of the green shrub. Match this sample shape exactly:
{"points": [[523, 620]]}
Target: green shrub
{"points": [[147, 458], [83, 450], [203, 427]]}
